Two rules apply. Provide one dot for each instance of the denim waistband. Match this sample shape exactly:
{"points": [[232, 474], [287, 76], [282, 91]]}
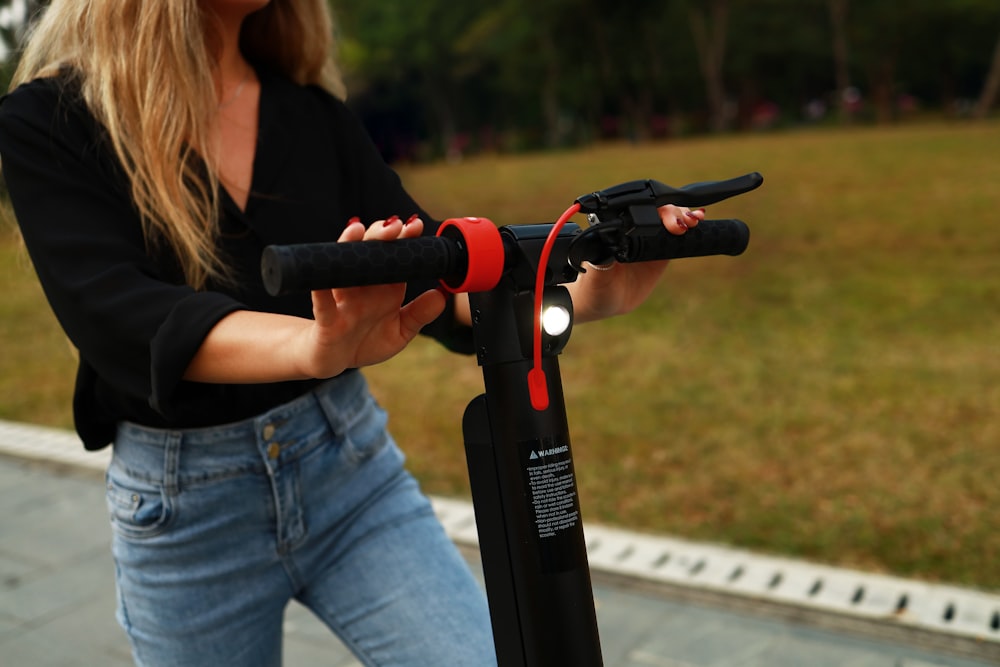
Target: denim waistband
{"points": [[280, 434]]}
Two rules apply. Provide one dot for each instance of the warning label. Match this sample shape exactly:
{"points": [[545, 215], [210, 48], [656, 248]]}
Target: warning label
{"points": [[553, 490], [550, 486]]}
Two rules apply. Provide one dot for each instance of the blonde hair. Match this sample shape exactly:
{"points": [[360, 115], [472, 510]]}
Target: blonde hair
{"points": [[150, 83]]}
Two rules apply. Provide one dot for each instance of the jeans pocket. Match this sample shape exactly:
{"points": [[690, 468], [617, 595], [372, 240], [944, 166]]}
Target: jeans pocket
{"points": [[367, 434], [138, 510]]}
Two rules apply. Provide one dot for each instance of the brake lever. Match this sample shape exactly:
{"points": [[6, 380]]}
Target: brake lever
{"points": [[622, 213], [611, 202]]}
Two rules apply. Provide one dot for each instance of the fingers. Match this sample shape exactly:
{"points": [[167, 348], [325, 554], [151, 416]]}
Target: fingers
{"points": [[354, 231], [383, 230], [328, 305], [412, 228], [679, 219]]}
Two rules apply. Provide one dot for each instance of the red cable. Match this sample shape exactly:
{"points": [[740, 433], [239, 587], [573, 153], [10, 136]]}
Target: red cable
{"points": [[537, 385]]}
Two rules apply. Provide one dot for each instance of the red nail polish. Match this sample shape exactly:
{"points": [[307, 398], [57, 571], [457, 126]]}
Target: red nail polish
{"points": [[411, 219], [353, 220], [691, 215]]}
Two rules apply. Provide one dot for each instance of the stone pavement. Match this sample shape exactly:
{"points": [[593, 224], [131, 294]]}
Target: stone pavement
{"points": [[57, 602]]}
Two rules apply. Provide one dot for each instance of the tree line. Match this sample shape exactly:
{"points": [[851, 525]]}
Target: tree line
{"points": [[434, 77], [437, 75]]}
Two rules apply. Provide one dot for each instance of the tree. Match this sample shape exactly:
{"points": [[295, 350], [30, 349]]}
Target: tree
{"points": [[991, 88], [709, 25], [404, 54], [841, 59]]}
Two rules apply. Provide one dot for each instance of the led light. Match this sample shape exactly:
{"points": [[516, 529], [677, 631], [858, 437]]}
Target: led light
{"points": [[555, 320]]}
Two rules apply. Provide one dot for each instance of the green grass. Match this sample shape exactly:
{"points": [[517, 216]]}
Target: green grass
{"points": [[834, 393]]}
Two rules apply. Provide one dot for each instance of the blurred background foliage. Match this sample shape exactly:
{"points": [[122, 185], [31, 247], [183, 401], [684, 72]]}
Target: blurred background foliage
{"points": [[436, 78]]}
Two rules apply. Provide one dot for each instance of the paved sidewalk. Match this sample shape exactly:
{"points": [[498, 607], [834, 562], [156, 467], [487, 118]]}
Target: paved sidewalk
{"points": [[57, 603]]}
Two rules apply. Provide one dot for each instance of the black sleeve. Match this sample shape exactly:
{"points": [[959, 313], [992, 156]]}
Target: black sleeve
{"points": [[137, 329], [383, 194]]}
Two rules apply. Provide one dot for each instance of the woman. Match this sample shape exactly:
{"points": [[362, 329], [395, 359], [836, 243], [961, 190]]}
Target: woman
{"points": [[151, 150]]}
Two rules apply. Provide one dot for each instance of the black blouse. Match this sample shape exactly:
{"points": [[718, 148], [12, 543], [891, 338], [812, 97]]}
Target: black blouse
{"points": [[127, 310]]}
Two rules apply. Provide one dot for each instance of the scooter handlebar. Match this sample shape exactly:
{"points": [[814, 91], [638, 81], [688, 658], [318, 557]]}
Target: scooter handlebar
{"points": [[710, 237], [315, 266]]}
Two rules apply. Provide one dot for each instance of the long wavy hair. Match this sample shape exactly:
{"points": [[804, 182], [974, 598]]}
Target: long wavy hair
{"points": [[146, 70]]}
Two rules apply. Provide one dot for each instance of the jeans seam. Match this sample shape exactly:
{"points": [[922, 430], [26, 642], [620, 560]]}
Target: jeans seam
{"points": [[171, 463]]}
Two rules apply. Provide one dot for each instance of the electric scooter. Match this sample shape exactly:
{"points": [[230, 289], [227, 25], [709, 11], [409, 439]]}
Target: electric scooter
{"points": [[517, 439]]}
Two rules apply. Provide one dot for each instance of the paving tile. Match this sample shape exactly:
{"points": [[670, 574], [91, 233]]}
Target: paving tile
{"points": [[53, 592], [66, 517], [709, 641], [22, 486], [626, 620], [84, 635], [792, 650], [8, 625], [48, 651], [307, 640], [14, 569]]}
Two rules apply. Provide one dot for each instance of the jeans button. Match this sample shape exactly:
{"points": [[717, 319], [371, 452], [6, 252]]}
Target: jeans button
{"points": [[273, 450], [268, 432]]}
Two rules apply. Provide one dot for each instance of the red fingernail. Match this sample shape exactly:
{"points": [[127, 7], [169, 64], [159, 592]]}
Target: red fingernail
{"points": [[353, 220], [682, 225], [691, 215], [411, 219]]}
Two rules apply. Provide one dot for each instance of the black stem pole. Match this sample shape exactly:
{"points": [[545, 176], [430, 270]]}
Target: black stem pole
{"points": [[525, 495]]}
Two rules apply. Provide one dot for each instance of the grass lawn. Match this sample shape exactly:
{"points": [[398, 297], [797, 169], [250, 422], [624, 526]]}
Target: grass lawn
{"points": [[833, 394]]}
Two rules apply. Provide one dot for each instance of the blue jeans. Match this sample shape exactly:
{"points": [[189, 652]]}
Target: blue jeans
{"points": [[215, 530]]}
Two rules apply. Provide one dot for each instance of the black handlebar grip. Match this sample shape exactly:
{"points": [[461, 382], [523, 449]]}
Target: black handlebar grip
{"points": [[710, 237], [315, 266]]}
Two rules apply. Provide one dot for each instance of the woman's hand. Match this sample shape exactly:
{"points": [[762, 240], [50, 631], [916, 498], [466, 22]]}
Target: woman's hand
{"points": [[620, 288], [352, 327], [362, 326]]}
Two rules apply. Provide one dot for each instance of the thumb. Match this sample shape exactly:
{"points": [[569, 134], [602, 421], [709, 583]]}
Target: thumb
{"points": [[420, 312], [324, 306]]}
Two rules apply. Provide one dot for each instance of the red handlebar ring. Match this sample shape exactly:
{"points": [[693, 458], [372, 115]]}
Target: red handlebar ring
{"points": [[486, 254]]}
